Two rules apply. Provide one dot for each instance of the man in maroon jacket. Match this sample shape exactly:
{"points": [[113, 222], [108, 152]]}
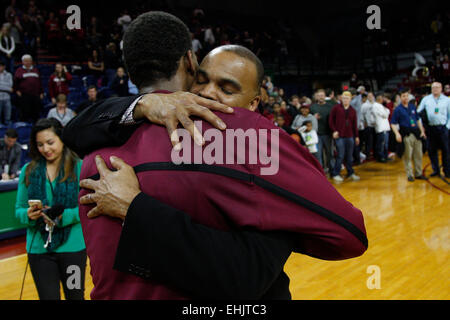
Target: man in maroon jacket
{"points": [[234, 197], [27, 84], [343, 124]]}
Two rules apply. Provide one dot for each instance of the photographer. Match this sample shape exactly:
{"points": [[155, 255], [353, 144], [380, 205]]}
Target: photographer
{"points": [[51, 181]]}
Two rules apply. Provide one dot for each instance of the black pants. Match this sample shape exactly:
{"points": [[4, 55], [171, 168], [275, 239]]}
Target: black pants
{"points": [[30, 108], [369, 135], [49, 269], [438, 139]]}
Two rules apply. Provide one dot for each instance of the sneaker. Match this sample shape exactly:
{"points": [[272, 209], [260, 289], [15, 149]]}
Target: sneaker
{"points": [[338, 178], [354, 177], [410, 179], [362, 156], [421, 177]]}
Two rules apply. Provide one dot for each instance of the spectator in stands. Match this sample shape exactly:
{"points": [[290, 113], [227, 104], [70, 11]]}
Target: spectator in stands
{"points": [[196, 46], [276, 111], [369, 123], [92, 98], [437, 70], [59, 82], [354, 81], [112, 61], [447, 90], [408, 130], [132, 88], [280, 122], [11, 10], [437, 108], [10, 155], [295, 104], [7, 47], [53, 32], [382, 128], [342, 123], [16, 33], [330, 98], [268, 84], [52, 176], [305, 115], [284, 108], [61, 112], [357, 102], [27, 85], [209, 38], [437, 53], [96, 66], [321, 111], [30, 33], [387, 102], [446, 69], [309, 136], [124, 20], [6, 88], [120, 83]]}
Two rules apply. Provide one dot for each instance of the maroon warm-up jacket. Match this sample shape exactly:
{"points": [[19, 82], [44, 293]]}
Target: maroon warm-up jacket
{"points": [[57, 85], [343, 121], [297, 199], [27, 81]]}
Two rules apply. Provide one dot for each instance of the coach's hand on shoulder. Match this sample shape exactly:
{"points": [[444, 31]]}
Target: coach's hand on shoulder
{"points": [[115, 190], [170, 109]]}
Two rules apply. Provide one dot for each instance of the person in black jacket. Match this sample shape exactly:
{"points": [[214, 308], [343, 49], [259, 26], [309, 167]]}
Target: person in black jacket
{"points": [[120, 83]]}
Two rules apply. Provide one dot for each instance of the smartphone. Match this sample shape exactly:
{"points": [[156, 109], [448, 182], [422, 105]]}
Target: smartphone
{"points": [[35, 203]]}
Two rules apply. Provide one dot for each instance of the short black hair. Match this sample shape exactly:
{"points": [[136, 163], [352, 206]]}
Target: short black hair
{"points": [[11, 133], [2, 63], [404, 90], [152, 46], [306, 122], [249, 55], [92, 86]]}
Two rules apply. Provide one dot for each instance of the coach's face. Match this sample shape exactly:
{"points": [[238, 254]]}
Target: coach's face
{"points": [[229, 79]]}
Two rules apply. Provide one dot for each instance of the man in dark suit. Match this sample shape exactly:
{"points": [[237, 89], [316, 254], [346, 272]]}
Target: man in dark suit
{"points": [[242, 263]]}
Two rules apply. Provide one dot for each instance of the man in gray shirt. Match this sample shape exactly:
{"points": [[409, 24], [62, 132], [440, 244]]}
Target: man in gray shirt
{"points": [[321, 111], [6, 87]]}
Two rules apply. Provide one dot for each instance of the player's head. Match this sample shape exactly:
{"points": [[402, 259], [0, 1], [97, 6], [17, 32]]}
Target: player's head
{"points": [[157, 46], [232, 75]]}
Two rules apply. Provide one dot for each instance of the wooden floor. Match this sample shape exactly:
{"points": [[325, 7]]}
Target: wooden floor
{"points": [[408, 227]]}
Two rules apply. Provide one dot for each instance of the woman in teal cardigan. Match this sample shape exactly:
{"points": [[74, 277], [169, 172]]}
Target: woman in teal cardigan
{"points": [[56, 254]]}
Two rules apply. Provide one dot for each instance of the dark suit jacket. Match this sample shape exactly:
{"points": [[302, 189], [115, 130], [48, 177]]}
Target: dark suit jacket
{"points": [[142, 253]]}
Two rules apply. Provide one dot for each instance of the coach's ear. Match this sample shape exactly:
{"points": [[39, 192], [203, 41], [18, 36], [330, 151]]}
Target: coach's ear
{"points": [[254, 103], [191, 62]]}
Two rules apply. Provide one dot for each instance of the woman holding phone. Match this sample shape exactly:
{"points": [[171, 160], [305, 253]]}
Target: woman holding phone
{"points": [[56, 249]]}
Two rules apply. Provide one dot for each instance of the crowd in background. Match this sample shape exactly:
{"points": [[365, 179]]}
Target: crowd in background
{"points": [[354, 125]]}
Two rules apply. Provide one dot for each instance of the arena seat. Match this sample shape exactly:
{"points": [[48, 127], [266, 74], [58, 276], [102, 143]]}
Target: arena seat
{"points": [[24, 131]]}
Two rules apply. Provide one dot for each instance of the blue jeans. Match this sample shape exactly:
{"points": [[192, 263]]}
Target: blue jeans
{"points": [[344, 148], [5, 111], [382, 144]]}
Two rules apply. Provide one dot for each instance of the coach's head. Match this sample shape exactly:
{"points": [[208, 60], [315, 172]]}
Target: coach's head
{"points": [[231, 75], [157, 48]]}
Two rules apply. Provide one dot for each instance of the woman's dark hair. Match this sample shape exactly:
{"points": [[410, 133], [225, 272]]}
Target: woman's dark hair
{"points": [[152, 46], [63, 74], [69, 158]]}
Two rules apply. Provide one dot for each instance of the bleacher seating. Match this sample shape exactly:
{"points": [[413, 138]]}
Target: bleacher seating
{"points": [[24, 131]]}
